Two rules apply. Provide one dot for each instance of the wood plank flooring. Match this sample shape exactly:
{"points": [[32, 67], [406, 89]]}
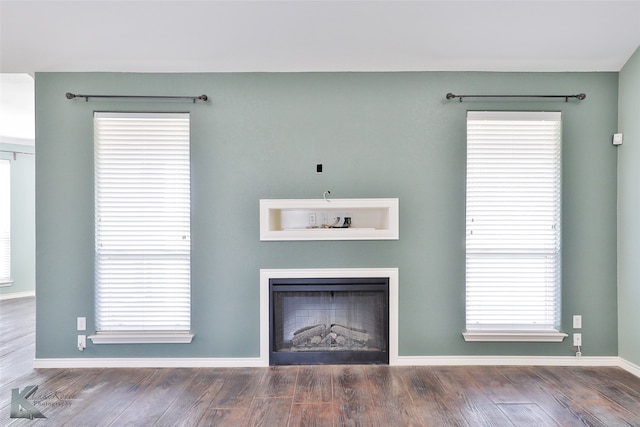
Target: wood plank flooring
{"points": [[335, 395]]}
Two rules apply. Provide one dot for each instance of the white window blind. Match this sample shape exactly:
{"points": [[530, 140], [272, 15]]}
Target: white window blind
{"points": [[513, 221], [142, 222], [5, 222]]}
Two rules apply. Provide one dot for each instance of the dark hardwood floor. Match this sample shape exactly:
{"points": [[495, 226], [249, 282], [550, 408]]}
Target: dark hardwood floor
{"points": [[337, 395]]}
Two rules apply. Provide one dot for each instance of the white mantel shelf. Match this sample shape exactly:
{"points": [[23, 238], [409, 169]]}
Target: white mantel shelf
{"points": [[303, 219]]}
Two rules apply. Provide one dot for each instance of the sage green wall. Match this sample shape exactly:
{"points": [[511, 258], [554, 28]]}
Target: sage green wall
{"points": [[377, 135], [23, 218], [629, 210]]}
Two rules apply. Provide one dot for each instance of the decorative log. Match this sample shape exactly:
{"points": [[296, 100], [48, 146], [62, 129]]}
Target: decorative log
{"points": [[350, 333], [302, 335], [351, 328], [306, 328], [329, 338]]}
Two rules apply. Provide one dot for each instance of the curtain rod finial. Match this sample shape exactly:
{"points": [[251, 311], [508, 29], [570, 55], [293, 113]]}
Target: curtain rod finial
{"points": [[450, 95], [69, 95]]}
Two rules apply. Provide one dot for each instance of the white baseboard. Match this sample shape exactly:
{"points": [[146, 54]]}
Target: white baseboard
{"points": [[256, 362], [399, 361], [628, 366], [15, 295], [148, 363], [613, 361], [506, 361]]}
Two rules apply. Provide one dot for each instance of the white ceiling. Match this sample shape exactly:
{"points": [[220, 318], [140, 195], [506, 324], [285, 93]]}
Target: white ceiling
{"points": [[305, 35], [302, 35]]}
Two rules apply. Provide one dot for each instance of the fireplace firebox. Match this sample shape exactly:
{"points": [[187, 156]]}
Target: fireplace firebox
{"points": [[328, 321]]}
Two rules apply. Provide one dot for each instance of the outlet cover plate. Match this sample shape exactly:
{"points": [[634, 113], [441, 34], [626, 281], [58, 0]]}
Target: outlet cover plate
{"points": [[617, 139], [577, 340]]}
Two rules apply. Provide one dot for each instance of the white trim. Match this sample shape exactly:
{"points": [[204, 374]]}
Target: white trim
{"points": [[630, 367], [148, 363], [515, 115], [514, 336], [507, 361], [80, 363], [16, 295], [287, 219], [136, 115], [141, 338], [391, 273]]}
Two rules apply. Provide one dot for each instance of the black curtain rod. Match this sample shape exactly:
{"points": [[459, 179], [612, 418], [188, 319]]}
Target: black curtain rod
{"points": [[579, 96], [70, 95]]}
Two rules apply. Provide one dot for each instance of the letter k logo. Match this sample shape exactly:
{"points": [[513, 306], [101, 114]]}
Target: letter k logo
{"points": [[21, 407]]}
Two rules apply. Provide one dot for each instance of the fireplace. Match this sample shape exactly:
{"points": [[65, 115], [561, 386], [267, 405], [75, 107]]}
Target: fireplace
{"points": [[318, 282], [328, 320]]}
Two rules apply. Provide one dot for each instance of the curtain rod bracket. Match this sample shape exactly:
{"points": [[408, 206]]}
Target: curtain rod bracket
{"points": [[203, 98]]}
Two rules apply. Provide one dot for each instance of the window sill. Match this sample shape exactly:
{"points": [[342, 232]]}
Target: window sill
{"points": [[141, 338], [514, 336]]}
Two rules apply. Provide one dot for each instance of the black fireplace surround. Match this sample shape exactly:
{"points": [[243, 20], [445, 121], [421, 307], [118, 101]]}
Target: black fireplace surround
{"points": [[328, 321]]}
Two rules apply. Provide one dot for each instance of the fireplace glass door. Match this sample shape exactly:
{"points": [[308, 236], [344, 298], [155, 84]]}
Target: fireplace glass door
{"points": [[317, 321]]}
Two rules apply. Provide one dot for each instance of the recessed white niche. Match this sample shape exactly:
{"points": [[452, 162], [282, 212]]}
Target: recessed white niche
{"points": [[324, 219]]}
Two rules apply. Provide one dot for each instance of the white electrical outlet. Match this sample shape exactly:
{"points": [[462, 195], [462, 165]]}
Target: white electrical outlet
{"points": [[577, 321], [82, 342], [312, 219], [577, 340]]}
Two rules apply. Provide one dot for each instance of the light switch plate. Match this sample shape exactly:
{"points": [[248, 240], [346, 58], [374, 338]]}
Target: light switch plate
{"points": [[577, 321], [82, 323]]}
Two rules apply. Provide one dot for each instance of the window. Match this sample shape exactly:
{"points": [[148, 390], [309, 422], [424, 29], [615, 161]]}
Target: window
{"points": [[5, 223], [142, 227], [513, 226]]}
